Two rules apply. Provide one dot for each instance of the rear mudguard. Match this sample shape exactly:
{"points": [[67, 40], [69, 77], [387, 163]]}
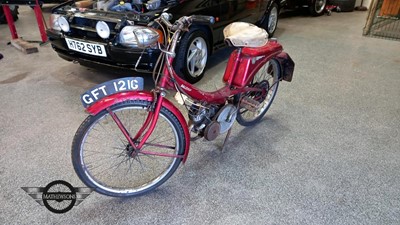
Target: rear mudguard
{"points": [[146, 96], [287, 66]]}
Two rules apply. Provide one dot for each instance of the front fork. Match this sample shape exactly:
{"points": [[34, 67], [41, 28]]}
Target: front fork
{"points": [[147, 128]]}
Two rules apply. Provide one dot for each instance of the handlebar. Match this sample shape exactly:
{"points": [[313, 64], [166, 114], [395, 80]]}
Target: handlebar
{"points": [[202, 19], [181, 24], [185, 21]]}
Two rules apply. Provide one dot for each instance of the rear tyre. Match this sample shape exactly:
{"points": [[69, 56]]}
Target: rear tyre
{"points": [[267, 78], [270, 21], [192, 55], [317, 7], [104, 160]]}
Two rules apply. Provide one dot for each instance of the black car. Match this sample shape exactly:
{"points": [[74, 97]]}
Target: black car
{"points": [[92, 35], [315, 7]]}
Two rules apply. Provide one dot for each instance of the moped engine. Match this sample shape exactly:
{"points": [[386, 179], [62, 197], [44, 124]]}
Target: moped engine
{"points": [[211, 121], [223, 121], [200, 116]]}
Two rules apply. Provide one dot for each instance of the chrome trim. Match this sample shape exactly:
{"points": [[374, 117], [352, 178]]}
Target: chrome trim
{"points": [[103, 18], [85, 28]]}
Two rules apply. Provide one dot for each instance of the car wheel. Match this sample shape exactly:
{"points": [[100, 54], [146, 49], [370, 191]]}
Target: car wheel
{"points": [[40, 4], [344, 5], [14, 12], [270, 21], [317, 7], [192, 55]]}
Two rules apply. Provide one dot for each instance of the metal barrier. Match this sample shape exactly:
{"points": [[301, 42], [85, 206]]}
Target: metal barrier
{"points": [[38, 15], [384, 19]]}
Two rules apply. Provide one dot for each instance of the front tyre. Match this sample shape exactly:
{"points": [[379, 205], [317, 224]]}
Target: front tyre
{"points": [[104, 160], [192, 55], [266, 78], [270, 21], [317, 7]]}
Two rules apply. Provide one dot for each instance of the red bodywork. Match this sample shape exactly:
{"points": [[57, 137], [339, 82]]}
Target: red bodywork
{"points": [[242, 68]]}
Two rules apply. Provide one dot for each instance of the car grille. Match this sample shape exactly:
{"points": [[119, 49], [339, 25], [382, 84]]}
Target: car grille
{"points": [[83, 27]]}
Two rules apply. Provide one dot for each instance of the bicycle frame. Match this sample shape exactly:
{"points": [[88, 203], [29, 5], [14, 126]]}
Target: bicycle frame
{"points": [[244, 68], [241, 68]]}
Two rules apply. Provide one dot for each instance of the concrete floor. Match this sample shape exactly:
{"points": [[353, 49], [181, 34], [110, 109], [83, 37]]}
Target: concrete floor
{"points": [[327, 152]]}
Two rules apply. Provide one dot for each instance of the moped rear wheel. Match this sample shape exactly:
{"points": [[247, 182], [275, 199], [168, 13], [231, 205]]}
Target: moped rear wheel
{"points": [[267, 77], [104, 160]]}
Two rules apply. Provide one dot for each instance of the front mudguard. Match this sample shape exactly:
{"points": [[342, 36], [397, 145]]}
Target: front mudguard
{"points": [[146, 96], [287, 66]]}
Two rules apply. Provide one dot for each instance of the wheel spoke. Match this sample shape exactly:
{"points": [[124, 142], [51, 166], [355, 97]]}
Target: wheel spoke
{"points": [[192, 53], [267, 80], [120, 169], [192, 67], [197, 56]]}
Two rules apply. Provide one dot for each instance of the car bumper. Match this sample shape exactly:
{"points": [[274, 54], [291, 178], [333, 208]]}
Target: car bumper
{"points": [[117, 56]]}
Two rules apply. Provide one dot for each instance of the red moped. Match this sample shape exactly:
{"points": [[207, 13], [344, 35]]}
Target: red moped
{"points": [[134, 140]]}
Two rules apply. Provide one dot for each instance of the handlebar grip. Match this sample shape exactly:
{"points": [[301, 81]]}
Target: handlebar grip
{"points": [[202, 19]]}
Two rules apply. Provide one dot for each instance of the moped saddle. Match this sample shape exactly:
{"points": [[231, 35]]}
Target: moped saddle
{"points": [[242, 34]]}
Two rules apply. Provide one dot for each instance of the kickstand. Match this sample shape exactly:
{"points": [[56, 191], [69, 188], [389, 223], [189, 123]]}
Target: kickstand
{"points": [[226, 139]]}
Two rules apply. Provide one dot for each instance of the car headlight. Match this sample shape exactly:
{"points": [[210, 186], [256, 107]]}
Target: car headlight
{"points": [[102, 29], [138, 36], [54, 22], [63, 23], [153, 4]]}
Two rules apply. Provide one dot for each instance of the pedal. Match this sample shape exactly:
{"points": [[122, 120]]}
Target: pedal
{"points": [[249, 104]]}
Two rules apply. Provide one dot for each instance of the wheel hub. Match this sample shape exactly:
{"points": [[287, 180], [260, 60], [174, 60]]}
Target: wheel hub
{"points": [[131, 151], [196, 58], [261, 95], [320, 5]]}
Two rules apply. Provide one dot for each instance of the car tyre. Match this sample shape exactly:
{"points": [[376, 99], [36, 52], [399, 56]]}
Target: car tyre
{"points": [[40, 4], [192, 55], [14, 12], [344, 5], [317, 7], [270, 21]]}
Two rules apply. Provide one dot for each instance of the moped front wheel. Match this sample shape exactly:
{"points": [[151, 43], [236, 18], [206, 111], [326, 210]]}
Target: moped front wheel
{"points": [[266, 78], [104, 160]]}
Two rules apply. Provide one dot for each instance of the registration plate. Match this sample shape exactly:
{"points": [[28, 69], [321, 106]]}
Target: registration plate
{"points": [[86, 47], [111, 87]]}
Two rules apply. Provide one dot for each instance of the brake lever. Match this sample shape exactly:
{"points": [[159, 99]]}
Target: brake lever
{"points": [[183, 24]]}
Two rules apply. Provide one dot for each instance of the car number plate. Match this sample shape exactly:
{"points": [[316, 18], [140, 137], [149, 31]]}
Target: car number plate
{"points": [[85, 47], [111, 87]]}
